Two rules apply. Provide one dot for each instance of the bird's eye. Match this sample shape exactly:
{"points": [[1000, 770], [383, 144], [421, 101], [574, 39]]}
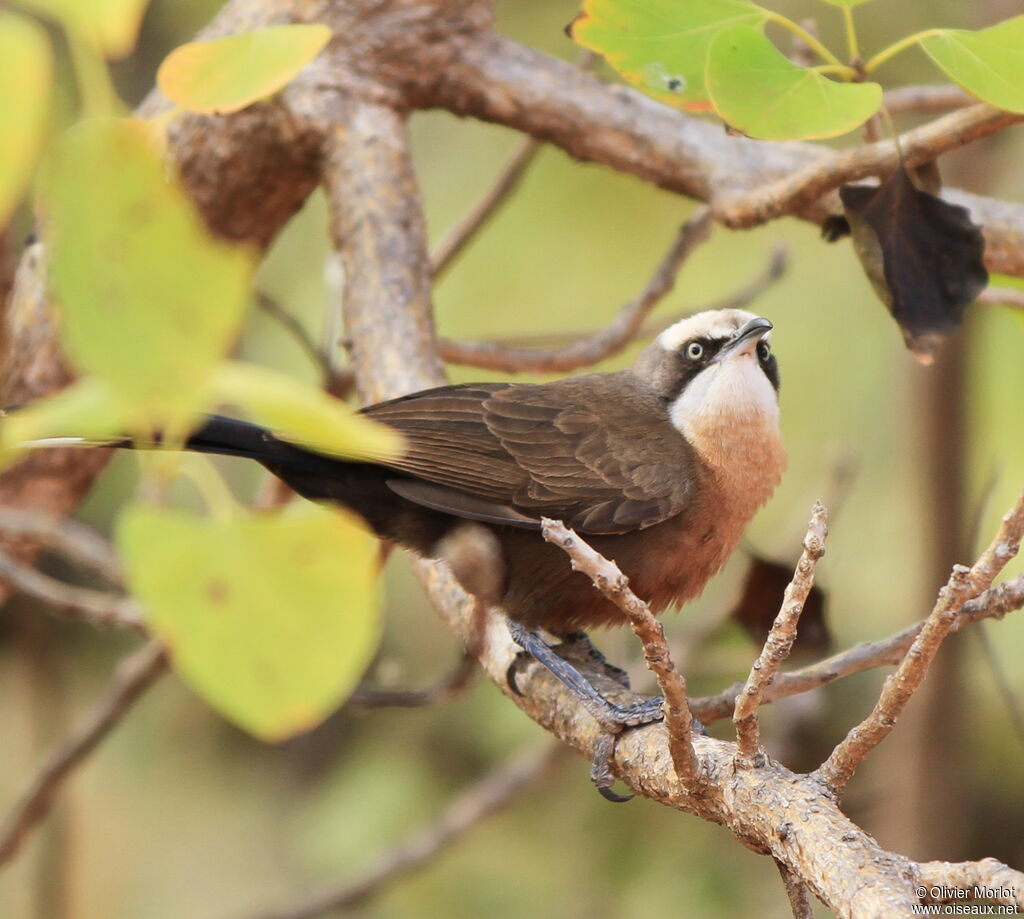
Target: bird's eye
{"points": [[763, 350], [694, 350]]}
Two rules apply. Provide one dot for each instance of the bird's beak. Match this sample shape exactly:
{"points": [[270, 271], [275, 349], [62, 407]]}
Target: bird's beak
{"points": [[745, 340]]}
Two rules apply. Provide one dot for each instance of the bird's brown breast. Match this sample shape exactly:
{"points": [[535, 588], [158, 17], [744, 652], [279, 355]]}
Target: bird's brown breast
{"points": [[667, 564]]}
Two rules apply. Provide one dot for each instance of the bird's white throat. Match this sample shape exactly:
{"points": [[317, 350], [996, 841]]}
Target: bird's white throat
{"points": [[729, 413]]}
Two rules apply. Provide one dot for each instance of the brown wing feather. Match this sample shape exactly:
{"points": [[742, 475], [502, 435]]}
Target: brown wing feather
{"points": [[568, 450]]}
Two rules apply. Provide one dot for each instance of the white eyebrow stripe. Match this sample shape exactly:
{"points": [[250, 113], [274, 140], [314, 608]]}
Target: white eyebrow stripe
{"points": [[709, 324]]}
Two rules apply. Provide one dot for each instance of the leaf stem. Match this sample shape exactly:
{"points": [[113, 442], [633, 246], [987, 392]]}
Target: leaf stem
{"points": [[814, 44], [851, 33], [886, 53], [847, 73], [95, 88], [216, 495]]}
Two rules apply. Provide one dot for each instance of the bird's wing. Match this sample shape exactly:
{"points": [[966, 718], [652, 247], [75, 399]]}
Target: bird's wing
{"points": [[576, 450]]}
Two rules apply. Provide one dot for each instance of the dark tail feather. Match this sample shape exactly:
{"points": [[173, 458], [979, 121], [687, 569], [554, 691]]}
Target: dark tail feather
{"points": [[230, 437], [226, 437]]}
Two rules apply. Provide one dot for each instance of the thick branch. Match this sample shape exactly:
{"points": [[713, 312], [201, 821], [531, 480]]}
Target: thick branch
{"points": [[378, 227], [498, 80]]}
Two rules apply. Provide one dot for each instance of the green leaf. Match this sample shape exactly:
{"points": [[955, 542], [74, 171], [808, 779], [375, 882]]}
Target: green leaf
{"points": [[847, 3], [272, 618], [110, 26], [26, 72], [150, 300], [989, 64], [304, 415], [660, 46], [88, 408], [228, 74], [759, 91]]}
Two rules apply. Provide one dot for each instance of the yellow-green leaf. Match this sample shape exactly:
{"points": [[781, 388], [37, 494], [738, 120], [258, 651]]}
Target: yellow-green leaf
{"points": [[660, 46], [847, 3], [150, 301], [26, 72], [759, 91], [227, 74], [110, 26], [302, 414], [271, 618], [988, 64], [88, 409]]}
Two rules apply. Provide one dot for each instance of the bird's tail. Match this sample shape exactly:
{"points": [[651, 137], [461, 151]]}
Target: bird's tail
{"points": [[225, 437]]}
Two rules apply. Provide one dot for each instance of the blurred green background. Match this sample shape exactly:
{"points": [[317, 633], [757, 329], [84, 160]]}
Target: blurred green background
{"points": [[180, 815]]}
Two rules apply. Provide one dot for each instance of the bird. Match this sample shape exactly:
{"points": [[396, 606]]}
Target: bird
{"points": [[659, 466]]}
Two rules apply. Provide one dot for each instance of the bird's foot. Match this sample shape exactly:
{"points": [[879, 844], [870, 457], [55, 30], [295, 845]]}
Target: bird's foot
{"points": [[579, 643], [611, 716]]}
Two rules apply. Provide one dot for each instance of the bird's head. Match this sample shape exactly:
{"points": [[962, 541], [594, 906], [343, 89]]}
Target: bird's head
{"points": [[717, 376]]}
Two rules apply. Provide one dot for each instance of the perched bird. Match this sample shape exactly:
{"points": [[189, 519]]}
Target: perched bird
{"points": [[660, 467]]}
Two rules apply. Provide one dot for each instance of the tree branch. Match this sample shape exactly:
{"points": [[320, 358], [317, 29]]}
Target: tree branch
{"points": [[464, 813], [964, 584], [614, 585], [780, 637], [600, 345], [746, 181], [795, 193], [906, 99], [101, 609], [369, 697], [75, 541], [774, 268], [133, 677], [993, 604], [459, 236]]}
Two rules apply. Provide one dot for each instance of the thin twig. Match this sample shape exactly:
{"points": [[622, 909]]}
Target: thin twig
{"points": [[796, 891], [496, 790], [492, 200], [614, 585], [96, 606], [460, 235], [602, 344], [775, 268], [133, 677], [964, 584], [781, 636], [993, 604], [778, 263], [73, 540], [368, 697], [296, 329], [922, 99], [1002, 296]]}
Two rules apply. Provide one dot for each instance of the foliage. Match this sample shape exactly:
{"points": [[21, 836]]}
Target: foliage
{"points": [[150, 306], [714, 54], [239, 601]]}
